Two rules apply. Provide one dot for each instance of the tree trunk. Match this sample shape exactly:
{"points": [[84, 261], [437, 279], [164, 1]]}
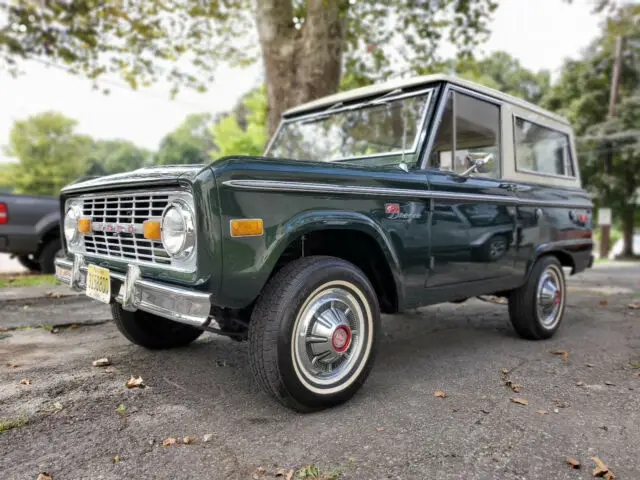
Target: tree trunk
{"points": [[628, 216], [300, 65]]}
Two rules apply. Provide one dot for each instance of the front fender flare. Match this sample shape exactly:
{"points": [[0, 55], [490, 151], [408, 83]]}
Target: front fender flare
{"points": [[307, 222]]}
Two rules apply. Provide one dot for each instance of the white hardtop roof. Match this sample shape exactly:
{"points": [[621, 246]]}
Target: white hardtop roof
{"points": [[385, 87]]}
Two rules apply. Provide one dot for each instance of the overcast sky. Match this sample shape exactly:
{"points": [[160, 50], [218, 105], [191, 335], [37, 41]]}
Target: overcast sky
{"points": [[541, 33]]}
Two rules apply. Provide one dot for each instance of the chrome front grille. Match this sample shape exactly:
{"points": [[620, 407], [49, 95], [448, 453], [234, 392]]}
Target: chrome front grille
{"points": [[116, 226]]}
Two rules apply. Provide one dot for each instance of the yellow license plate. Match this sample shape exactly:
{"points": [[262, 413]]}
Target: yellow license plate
{"points": [[98, 283]]}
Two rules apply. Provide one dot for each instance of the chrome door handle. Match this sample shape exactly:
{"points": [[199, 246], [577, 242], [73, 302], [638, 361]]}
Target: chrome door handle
{"points": [[510, 187]]}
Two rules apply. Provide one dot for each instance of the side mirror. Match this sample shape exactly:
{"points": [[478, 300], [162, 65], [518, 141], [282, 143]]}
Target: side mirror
{"points": [[480, 163]]}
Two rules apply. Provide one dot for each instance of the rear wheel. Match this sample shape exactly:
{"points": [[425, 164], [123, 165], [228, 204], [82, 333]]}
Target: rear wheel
{"points": [[29, 263], [536, 309], [48, 254], [313, 333], [151, 331]]}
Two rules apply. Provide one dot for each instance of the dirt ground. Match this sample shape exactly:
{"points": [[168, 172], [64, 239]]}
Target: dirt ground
{"points": [[73, 418]]}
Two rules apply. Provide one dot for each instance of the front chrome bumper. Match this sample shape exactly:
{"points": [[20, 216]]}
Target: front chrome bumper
{"points": [[135, 293]]}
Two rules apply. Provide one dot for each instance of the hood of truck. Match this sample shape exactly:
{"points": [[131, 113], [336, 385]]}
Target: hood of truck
{"points": [[148, 176]]}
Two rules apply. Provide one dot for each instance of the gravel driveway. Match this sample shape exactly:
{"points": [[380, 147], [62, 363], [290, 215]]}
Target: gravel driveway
{"points": [[394, 428]]}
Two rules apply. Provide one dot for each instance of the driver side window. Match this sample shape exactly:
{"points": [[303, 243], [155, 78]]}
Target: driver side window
{"points": [[469, 126]]}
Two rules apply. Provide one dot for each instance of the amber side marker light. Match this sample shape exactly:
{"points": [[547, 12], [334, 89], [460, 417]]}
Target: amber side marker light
{"points": [[151, 229], [246, 227], [84, 225]]}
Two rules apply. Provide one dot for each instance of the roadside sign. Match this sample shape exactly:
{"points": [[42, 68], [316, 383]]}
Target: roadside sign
{"points": [[604, 216]]}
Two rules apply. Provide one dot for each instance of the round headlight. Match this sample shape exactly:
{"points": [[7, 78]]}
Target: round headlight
{"points": [[71, 223], [177, 232]]}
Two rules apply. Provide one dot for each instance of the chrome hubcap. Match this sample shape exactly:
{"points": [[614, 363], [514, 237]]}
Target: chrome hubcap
{"points": [[497, 248], [329, 336], [550, 297]]}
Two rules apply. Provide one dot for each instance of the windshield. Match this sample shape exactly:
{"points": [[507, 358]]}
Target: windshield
{"points": [[382, 131]]}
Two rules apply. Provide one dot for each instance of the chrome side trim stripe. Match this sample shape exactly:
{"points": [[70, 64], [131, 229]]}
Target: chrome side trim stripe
{"points": [[278, 186]]}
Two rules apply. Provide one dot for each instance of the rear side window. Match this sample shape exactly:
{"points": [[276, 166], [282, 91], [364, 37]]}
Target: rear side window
{"points": [[542, 150]]}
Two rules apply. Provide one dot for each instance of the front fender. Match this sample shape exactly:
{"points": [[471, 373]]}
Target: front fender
{"points": [[242, 286], [51, 221]]}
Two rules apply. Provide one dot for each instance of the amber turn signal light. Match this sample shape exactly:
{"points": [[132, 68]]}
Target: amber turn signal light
{"points": [[151, 229], [84, 225], [246, 227]]}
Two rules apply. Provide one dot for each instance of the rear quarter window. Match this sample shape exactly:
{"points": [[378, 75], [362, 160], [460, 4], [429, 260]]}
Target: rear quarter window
{"points": [[540, 149]]}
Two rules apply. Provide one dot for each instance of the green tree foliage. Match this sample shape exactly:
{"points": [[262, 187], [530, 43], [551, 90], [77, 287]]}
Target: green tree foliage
{"points": [[244, 130], [49, 152], [610, 148], [116, 156], [503, 72], [192, 142], [303, 44]]}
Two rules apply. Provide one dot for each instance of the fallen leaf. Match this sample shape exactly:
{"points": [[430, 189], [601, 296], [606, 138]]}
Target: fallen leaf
{"points": [[168, 441], [602, 470], [187, 440], [380, 429], [636, 374], [101, 362], [287, 474], [504, 371], [604, 303], [579, 384], [439, 393], [611, 384], [548, 371], [515, 387], [520, 401], [590, 365], [573, 462], [44, 476], [542, 412], [116, 459], [134, 382], [564, 353], [121, 409], [634, 306], [207, 437], [486, 412], [25, 381], [73, 325]]}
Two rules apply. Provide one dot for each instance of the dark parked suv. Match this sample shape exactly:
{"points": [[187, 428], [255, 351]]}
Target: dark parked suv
{"points": [[30, 230]]}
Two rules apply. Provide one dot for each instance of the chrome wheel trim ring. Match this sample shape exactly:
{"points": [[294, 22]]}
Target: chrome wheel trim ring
{"points": [[334, 306], [550, 297]]}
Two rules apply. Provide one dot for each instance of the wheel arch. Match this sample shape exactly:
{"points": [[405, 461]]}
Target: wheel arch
{"points": [[351, 236]]}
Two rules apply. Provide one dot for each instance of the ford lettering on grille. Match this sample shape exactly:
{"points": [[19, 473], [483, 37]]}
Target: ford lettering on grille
{"points": [[116, 226]]}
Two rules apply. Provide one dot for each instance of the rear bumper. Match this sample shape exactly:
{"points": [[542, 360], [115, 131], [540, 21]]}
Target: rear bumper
{"points": [[135, 293]]}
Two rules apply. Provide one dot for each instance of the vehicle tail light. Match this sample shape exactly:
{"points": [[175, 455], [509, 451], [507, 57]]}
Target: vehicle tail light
{"points": [[4, 217]]}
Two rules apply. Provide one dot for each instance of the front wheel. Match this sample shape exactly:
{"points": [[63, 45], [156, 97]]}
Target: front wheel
{"points": [[313, 333], [536, 309]]}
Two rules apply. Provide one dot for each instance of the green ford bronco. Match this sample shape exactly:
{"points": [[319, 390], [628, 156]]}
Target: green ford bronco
{"points": [[380, 199]]}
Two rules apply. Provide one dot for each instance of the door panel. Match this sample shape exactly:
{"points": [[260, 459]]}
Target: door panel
{"points": [[471, 239], [472, 236]]}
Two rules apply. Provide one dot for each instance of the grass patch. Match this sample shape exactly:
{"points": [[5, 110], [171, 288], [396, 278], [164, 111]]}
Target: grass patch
{"points": [[26, 280], [15, 422]]}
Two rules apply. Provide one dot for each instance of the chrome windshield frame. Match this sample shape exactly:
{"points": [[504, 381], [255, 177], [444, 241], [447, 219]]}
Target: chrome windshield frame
{"points": [[430, 91]]}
